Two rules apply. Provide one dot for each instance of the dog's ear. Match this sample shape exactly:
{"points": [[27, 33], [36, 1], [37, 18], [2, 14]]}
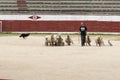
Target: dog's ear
{"points": [[20, 35]]}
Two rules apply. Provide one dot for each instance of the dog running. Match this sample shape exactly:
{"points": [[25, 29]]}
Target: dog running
{"points": [[24, 35]]}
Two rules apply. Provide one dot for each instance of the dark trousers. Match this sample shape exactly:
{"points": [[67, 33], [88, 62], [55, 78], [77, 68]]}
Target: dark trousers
{"points": [[83, 40]]}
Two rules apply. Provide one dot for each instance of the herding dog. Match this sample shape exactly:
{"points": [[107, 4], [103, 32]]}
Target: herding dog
{"points": [[24, 35]]}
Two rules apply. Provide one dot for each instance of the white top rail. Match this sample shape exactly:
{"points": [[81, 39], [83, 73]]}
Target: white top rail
{"points": [[60, 17]]}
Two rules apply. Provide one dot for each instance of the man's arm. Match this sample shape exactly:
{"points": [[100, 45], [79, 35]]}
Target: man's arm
{"points": [[85, 28], [80, 28]]}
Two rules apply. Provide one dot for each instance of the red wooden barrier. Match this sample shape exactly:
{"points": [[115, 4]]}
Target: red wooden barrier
{"points": [[59, 26]]}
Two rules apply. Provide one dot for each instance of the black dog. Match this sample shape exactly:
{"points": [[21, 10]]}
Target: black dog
{"points": [[24, 35]]}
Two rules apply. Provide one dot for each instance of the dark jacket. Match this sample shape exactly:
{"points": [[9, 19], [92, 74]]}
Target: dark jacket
{"points": [[83, 30]]}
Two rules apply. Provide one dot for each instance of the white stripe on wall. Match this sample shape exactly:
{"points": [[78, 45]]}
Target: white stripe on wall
{"points": [[61, 17]]}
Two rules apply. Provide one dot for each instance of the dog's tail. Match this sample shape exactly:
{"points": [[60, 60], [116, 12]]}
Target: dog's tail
{"points": [[28, 34]]}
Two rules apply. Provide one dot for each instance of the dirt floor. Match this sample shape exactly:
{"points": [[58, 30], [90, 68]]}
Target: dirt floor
{"points": [[30, 59]]}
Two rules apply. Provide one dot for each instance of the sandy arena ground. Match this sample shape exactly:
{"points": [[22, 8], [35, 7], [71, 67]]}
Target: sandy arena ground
{"points": [[29, 59]]}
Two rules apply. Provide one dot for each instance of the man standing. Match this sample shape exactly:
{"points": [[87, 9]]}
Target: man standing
{"points": [[83, 30]]}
